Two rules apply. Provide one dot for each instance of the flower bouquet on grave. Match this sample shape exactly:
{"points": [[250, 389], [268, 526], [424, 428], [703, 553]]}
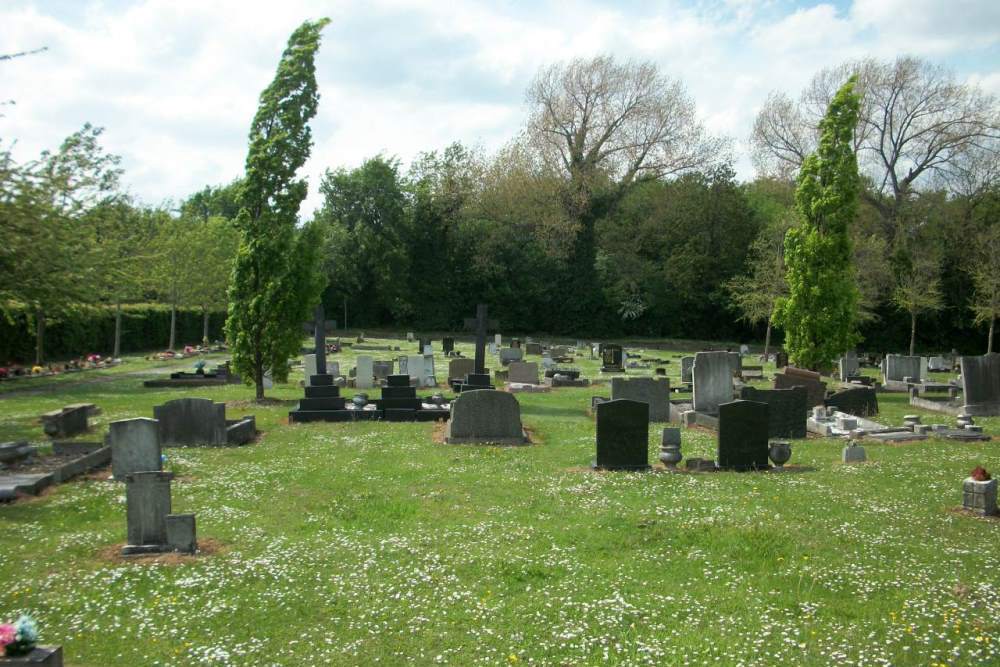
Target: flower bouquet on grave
{"points": [[19, 637]]}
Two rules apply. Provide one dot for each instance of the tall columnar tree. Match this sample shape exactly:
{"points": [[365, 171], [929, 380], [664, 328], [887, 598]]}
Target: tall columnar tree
{"points": [[271, 293], [820, 313]]}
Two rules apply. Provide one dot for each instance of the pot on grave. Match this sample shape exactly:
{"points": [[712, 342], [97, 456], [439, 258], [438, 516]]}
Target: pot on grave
{"points": [[670, 447], [360, 400], [779, 453]]}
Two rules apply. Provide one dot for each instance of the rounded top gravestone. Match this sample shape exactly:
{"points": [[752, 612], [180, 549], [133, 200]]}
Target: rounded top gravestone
{"points": [[485, 416]]}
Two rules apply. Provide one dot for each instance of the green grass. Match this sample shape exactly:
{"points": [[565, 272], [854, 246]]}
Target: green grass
{"points": [[372, 543]]}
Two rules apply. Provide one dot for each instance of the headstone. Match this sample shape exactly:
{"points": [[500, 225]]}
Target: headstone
{"points": [[427, 377], [744, 349], [523, 372], [319, 340], [459, 368], [191, 421], [853, 453], [510, 354], [498, 340], [780, 359], [309, 367], [939, 364], [981, 384], [735, 363], [135, 447], [712, 381], [622, 435], [428, 349], [447, 344], [410, 337], [364, 378], [485, 416], [652, 391], [533, 348], [382, 369], [743, 427], [787, 410], [493, 347], [147, 498], [800, 377], [181, 533], [857, 401], [65, 422], [612, 359], [848, 365], [898, 366], [687, 363]]}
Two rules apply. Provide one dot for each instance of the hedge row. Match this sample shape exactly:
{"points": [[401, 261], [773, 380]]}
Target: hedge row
{"points": [[89, 330]]}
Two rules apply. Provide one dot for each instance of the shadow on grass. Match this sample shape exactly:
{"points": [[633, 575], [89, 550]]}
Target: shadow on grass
{"points": [[547, 411]]}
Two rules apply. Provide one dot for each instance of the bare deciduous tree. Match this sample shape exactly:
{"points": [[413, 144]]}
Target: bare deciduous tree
{"points": [[600, 119], [915, 120]]}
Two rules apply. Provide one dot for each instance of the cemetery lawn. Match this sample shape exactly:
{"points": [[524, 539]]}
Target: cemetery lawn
{"points": [[371, 543]]}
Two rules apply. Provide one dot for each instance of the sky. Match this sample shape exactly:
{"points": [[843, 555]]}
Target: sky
{"points": [[175, 83]]}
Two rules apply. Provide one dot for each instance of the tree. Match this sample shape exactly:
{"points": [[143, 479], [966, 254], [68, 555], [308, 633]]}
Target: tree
{"points": [[985, 273], [214, 242], [820, 313], [604, 126], [272, 291], [914, 120], [49, 256], [175, 268], [757, 293], [918, 289]]}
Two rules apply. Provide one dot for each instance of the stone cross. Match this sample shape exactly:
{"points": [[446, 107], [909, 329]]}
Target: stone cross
{"points": [[319, 334]]}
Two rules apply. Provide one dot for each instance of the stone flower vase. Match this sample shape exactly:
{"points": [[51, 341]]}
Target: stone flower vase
{"points": [[670, 447], [779, 453]]}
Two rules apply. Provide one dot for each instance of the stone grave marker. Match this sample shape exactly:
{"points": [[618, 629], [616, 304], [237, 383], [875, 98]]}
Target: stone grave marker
{"points": [[382, 369], [848, 365], [712, 379], [365, 375], [687, 363], [447, 344], [799, 377], [857, 401], [612, 359], [981, 384], [743, 427], [459, 368], [523, 372], [898, 366], [787, 410], [485, 416], [151, 526], [66, 422], [511, 354], [653, 391], [200, 421], [622, 435], [135, 447], [533, 348]]}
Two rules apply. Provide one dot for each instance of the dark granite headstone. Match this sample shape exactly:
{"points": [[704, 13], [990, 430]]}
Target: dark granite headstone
{"points": [[612, 359], [192, 421], [787, 410], [857, 401], [743, 427], [981, 384], [622, 435], [780, 359], [447, 345], [798, 377]]}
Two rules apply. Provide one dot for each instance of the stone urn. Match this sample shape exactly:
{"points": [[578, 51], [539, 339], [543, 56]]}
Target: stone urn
{"points": [[360, 400], [779, 453], [670, 447]]}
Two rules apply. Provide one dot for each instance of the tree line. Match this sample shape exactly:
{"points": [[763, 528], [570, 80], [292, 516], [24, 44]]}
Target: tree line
{"points": [[612, 213]]}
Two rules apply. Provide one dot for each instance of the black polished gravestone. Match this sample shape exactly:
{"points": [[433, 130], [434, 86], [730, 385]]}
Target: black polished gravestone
{"points": [[622, 435], [788, 409], [480, 377], [743, 429], [447, 344], [857, 401], [612, 359], [400, 403], [322, 401]]}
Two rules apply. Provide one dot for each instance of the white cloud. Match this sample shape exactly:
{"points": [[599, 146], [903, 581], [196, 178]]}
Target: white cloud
{"points": [[175, 82]]}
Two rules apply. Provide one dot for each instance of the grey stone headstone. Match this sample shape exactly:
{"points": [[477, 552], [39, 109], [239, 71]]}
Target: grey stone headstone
{"points": [[980, 497], [854, 453], [898, 366], [510, 354], [532, 348], [848, 365], [485, 416], [857, 401], [382, 369], [135, 447], [459, 368], [622, 435], [523, 372], [743, 427], [687, 363], [180, 531], [712, 380], [309, 367], [788, 410], [147, 496], [654, 392], [365, 372], [981, 384], [191, 421]]}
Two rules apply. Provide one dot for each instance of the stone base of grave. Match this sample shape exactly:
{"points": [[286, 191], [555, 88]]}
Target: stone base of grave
{"points": [[483, 440], [241, 431], [678, 408], [828, 427], [14, 486], [40, 656], [982, 410], [639, 468], [894, 435], [943, 405], [706, 420], [559, 382], [192, 380], [960, 434], [894, 386], [980, 497], [522, 387]]}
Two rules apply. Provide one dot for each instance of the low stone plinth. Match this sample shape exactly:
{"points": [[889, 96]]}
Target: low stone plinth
{"points": [[980, 497], [40, 656]]}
